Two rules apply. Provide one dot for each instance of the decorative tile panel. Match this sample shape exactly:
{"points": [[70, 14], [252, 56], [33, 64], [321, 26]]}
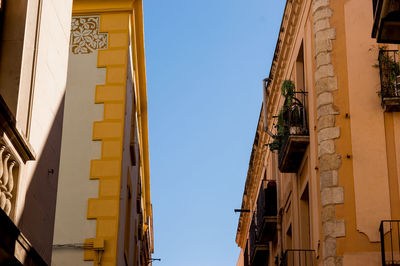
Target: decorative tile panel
{"points": [[85, 36]]}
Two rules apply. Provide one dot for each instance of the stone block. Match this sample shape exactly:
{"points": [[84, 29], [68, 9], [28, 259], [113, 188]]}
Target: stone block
{"points": [[114, 22], [329, 179], [102, 208], [324, 72], [330, 261], [334, 228], [320, 25], [326, 110], [330, 162], [328, 133], [326, 147], [319, 4], [328, 34], [323, 45], [112, 57], [328, 213], [327, 84], [329, 248], [104, 168], [323, 59], [322, 13], [332, 195], [324, 98], [325, 121], [106, 93], [107, 130]]}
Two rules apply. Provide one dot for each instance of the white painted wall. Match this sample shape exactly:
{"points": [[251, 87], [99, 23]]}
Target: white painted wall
{"points": [[77, 150]]}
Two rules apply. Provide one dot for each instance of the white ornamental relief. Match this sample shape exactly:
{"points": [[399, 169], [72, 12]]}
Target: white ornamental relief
{"points": [[85, 36], [8, 174]]}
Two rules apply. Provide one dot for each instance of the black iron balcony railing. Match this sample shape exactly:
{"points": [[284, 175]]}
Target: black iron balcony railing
{"points": [[267, 212], [258, 249], [390, 242], [293, 134], [299, 257], [389, 69]]}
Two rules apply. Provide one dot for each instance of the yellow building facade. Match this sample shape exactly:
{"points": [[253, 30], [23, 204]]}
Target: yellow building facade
{"points": [[323, 180], [103, 212]]}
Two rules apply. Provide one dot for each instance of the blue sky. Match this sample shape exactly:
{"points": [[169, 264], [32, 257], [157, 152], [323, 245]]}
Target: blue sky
{"points": [[205, 65]]}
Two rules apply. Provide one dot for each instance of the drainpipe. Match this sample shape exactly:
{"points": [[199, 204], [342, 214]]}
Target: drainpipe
{"points": [[265, 103]]}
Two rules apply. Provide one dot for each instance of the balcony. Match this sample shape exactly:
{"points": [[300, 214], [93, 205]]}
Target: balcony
{"points": [[390, 242], [292, 136], [386, 27], [267, 212], [389, 70], [299, 257], [259, 251], [14, 248]]}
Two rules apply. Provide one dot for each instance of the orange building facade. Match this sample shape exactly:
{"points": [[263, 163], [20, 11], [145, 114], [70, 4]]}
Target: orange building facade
{"points": [[323, 180]]}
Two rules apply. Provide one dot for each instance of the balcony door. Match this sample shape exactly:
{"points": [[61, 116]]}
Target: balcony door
{"points": [[304, 218]]}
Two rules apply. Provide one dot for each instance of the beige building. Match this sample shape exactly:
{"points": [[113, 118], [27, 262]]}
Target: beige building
{"points": [[85, 136], [323, 180], [104, 213], [33, 71]]}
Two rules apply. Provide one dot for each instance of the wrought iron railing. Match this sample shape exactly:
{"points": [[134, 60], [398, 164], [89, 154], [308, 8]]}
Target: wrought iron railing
{"points": [[390, 242], [389, 68], [294, 118], [299, 257], [266, 209]]}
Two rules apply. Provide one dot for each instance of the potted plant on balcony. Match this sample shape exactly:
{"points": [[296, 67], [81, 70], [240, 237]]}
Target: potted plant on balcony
{"points": [[289, 117], [390, 74], [292, 108]]}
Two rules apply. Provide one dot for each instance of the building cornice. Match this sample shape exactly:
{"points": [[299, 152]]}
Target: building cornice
{"points": [[284, 48], [90, 6], [254, 171]]}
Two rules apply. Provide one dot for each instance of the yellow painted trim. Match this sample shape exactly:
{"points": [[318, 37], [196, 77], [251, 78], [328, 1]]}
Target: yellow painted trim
{"points": [[116, 17], [139, 28], [101, 6], [107, 169]]}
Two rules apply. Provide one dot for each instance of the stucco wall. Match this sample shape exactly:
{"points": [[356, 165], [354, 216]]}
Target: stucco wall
{"points": [[368, 143], [37, 187], [74, 186]]}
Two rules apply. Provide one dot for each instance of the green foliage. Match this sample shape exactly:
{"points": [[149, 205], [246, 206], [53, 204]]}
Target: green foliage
{"points": [[287, 91], [391, 70], [282, 127]]}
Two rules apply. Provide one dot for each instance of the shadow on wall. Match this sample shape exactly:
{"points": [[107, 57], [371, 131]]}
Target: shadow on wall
{"points": [[38, 214]]}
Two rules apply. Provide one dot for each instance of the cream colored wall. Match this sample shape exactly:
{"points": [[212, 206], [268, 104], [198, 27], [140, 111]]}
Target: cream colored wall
{"points": [[37, 186], [74, 186], [367, 121]]}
